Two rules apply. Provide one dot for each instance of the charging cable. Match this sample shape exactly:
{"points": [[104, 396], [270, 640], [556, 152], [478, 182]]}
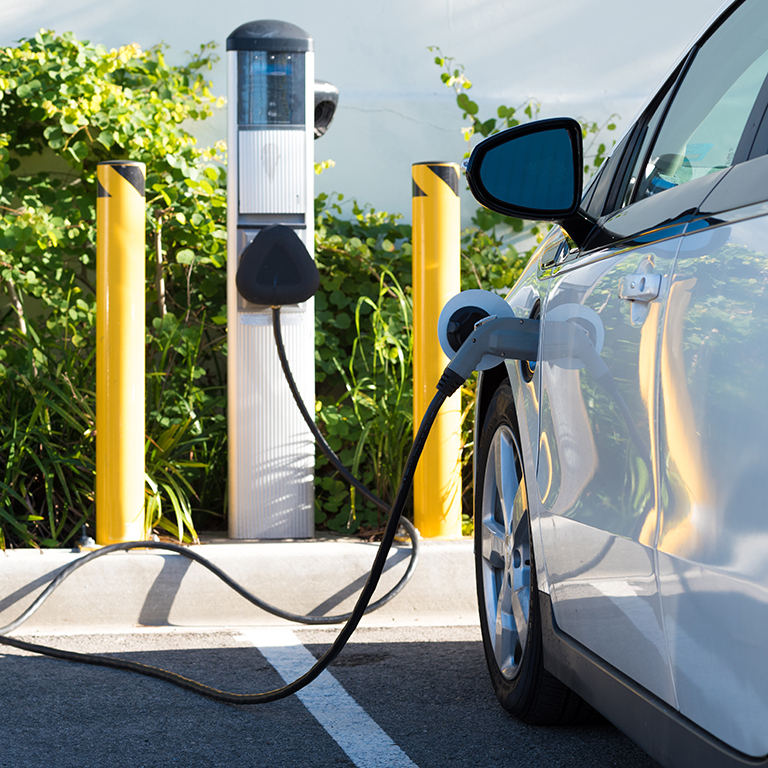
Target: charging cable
{"points": [[322, 663], [491, 337], [363, 605]]}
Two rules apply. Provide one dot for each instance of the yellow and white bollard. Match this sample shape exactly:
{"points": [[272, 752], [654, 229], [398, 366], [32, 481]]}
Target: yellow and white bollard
{"points": [[120, 332], [436, 279]]}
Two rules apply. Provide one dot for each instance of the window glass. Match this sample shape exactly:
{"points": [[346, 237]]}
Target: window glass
{"points": [[594, 201], [589, 192], [626, 193], [710, 110]]}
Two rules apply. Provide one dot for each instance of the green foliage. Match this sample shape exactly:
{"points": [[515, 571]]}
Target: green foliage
{"points": [[362, 357], [488, 261], [454, 77], [65, 106], [46, 438]]}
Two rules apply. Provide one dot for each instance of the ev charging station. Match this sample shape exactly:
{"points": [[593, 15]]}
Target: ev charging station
{"points": [[272, 106]]}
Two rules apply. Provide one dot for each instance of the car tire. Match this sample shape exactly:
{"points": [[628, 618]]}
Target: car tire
{"points": [[506, 578]]}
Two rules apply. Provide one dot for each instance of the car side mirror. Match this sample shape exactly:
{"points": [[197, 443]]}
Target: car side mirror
{"points": [[532, 171]]}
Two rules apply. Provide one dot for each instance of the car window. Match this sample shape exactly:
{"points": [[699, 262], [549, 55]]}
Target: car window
{"points": [[705, 121], [627, 191], [595, 197], [589, 192]]}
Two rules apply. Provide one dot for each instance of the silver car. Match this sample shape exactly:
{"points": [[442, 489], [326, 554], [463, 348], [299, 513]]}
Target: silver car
{"points": [[621, 479]]}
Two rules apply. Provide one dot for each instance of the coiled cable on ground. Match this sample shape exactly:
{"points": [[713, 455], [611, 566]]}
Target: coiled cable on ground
{"points": [[322, 663], [352, 618]]}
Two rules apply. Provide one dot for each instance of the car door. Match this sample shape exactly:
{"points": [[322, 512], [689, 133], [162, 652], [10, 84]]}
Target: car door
{"points": [[713, 533], [713, 417], [602, 476], [597, 472]]}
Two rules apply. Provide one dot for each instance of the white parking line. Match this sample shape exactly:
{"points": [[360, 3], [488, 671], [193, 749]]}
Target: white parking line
{"points": [[353, 730]]}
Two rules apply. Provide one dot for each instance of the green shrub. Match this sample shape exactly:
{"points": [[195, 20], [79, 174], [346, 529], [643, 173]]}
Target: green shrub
{"points": [[66, 105], [363, 357]]}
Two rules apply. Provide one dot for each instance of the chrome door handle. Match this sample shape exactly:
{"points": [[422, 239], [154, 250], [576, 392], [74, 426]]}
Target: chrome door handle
{"points": [[642, 287]]}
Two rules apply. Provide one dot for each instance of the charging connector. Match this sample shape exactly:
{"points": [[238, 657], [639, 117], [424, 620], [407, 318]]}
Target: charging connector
{"points": [[506, 338]]}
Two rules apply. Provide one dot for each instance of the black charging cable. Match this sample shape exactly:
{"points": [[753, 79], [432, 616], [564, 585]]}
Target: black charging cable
{"points": [[363, 601], [508, 338], [338, 465], [317, 434], [363, 605]]}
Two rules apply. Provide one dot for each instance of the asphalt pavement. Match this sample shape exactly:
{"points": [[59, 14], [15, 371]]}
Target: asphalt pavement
{"points": [[396, 697], [410, 690]]}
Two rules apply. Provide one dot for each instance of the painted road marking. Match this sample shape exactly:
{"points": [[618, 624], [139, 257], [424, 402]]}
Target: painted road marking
{"points": [[365, 743]]}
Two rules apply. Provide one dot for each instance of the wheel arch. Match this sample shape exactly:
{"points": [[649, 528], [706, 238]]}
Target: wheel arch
{"points": [[487, 383]]}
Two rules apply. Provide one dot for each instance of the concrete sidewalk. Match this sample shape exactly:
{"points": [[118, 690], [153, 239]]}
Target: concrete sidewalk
{"points": [[152, 588]]}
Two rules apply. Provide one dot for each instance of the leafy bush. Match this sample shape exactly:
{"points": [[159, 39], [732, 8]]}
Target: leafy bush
{"points": [[363, 357], [66, 105], [46, 457]]}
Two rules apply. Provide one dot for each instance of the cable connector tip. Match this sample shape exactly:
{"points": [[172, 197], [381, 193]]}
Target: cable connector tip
{"points": [[449, 382]]}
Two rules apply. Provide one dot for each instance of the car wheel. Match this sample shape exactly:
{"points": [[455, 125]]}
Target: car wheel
{"points": [[506, 578]]}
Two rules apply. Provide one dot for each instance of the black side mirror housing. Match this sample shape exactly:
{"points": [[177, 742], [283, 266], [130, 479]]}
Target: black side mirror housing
{"points": [[533, 171]]}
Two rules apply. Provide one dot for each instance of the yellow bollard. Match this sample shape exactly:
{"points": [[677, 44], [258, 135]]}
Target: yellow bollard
{"points": [[436, 278], [120, 331]]}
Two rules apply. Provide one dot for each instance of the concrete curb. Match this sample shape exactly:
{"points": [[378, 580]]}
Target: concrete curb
{"points": [[151, 588]]}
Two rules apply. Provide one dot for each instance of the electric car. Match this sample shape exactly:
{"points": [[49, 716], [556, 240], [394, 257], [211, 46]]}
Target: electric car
{"points": [[621, 478]]}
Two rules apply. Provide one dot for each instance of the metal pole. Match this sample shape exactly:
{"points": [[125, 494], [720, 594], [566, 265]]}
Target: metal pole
{"points": [[120, 331], [436, 279]]}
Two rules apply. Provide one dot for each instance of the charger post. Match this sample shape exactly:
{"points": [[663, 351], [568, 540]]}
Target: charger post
{"points": [[436, 278], [270, 182]]}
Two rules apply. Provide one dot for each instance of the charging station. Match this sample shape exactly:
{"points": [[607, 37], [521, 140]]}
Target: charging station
{"points": [[270, 182], [271, 270]]}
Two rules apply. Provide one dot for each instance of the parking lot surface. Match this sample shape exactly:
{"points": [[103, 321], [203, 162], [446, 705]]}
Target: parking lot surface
{"points": [[396, 697]]}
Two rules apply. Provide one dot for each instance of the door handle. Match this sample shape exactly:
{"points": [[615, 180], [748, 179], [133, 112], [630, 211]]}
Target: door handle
{"points": [[642, 287]]}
